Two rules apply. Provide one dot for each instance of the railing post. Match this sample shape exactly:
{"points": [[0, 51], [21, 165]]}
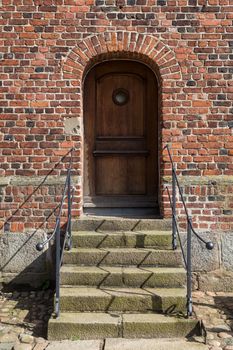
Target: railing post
{"points": [[69, 241], [58, 257], [189, 266], [174, 233]]}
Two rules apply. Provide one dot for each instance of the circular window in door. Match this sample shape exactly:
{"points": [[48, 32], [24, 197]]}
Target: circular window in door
{"points": [[120, 96]]}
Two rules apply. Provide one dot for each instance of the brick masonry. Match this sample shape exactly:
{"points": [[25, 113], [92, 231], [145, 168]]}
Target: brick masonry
{"points": [[47, 48]]}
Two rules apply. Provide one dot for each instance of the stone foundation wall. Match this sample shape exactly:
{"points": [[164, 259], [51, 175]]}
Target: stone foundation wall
{"points": [[20, 262], [209, 200]]}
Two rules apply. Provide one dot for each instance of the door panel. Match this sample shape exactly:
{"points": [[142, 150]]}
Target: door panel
{"points": [[121, 135], [120, 120], [128, 176]]}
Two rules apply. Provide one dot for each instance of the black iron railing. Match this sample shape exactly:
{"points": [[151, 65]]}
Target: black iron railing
{"points": [[176, 232], [66, 242]]}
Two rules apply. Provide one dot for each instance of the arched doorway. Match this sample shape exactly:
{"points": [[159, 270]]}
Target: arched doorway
{"points": [[121, 139]]}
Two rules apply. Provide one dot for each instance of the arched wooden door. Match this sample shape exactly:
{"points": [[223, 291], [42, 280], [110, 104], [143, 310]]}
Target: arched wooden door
{"points": [[121, 136]]}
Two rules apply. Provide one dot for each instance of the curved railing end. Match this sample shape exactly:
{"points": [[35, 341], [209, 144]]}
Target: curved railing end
{"points": [[209, 245], [39, 247]]}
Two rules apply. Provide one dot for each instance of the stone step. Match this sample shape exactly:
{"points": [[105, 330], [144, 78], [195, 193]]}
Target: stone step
{"points": [[112, 325], [160, 277], [129, 239], [129, 344], [152, 344], [123, 256], [86, 299], [88, 223]]}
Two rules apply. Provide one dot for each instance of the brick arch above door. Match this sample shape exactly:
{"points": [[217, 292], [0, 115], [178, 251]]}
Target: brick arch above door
{"points": [[144, 48], [130, 45]]}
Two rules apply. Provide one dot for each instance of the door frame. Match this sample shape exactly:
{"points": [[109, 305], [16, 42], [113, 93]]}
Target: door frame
{"points": [[158, 115]]}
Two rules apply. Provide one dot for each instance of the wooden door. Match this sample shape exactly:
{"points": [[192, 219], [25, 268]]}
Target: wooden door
{"points": [[121, 136]]}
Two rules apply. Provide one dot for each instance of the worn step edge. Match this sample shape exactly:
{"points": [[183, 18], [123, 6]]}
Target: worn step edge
{"points": [[120, 224], [154, 344], [123, 256], [130, 239], [85, 299], [123, 276], [111, 325]]}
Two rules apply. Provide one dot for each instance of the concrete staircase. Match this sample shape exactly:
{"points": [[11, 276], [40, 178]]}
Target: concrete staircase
{"points": [[122, 280]]}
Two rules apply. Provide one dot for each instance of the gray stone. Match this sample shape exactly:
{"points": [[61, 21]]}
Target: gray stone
{"points": [[4, 180], [227, 250], [40, 346], [6, 346], [20, 262], [73, 126], [202, 258], [26, 338], [75, 345], [214, 343], [22, 346], [224, 335], [37, 180], [84, 326], [202, 180], [152, 344], [220, 328], [18, 252], [220, 280], [40, 340], [8, 338]]}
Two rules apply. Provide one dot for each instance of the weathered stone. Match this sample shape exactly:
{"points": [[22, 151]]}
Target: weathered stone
{"points": [[117, 276], [75, 345], [8, 337], [22, 346], [156, 239], [156, 325], [214, 343], [126, 256], [39, 340], [122, 299], [84, 326], [6, 346], [224, 335], [209, 335], [216, 281], [18, 252], [202, 180], [26, 338], [4, 180], [227, 250], [37, 180], [40, 346], [221, 328], [202, 258], [73, 126], [19, 258], [152, 344]]}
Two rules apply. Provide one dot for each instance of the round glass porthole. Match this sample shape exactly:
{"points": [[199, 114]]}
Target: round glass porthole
{"points": [[120, 97]]}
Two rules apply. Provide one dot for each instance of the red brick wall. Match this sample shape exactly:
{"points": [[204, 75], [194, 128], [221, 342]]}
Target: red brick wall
{"points": [[48, 46]]}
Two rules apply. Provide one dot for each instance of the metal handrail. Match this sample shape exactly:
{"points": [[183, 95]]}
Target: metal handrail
{"points": [[68, 192], [190, 230]]}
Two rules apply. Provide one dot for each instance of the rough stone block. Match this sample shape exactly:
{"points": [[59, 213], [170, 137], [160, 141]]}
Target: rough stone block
{"points": [[202, 258], [227, 250], [19, 257]]}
